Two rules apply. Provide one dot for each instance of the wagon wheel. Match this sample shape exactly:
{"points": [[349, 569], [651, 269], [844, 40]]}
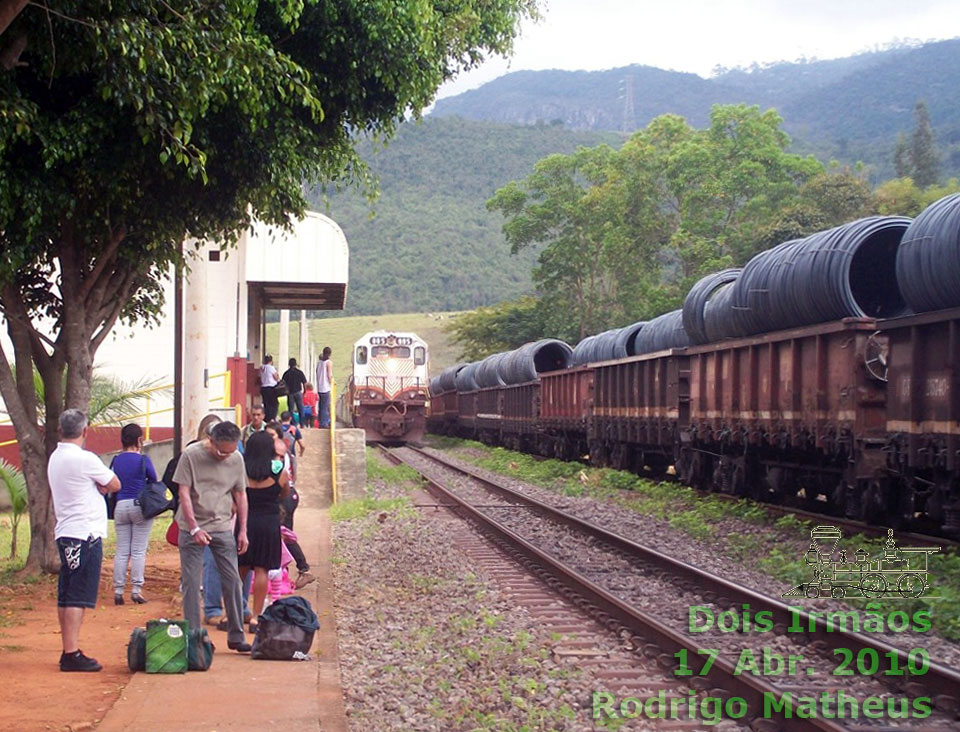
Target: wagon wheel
{"points": [[875, 357], [837, 592], [911, 584], [873, 585]]}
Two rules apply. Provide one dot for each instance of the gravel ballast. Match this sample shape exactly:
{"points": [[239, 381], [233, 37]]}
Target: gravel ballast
{"points": [[712, 556], [427, 643]]}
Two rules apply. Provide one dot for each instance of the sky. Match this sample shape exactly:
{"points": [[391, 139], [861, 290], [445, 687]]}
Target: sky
{"points": [[697, 35]]}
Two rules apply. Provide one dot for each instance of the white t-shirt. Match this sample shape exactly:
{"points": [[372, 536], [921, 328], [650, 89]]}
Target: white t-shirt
{"points": [[268, 375], [323, 376], [74, 474]]}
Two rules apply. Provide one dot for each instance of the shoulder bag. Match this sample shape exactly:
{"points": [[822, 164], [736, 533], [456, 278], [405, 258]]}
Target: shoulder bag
{"points": [[111, 498], [152, 498]]}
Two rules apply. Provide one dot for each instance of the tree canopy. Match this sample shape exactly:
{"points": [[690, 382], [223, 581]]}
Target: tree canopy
{"points": [[622, 235], [128, 127]]}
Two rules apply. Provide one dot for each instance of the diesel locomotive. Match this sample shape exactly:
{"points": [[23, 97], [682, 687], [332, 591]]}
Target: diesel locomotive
{"points": [[387, 394]]}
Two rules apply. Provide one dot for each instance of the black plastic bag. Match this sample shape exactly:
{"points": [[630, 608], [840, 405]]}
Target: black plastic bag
{"points": [[281, 642]]}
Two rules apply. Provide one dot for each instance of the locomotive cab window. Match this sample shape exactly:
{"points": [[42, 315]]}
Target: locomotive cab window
{"points": [[388, 352], [419, 356], [361, 355]]}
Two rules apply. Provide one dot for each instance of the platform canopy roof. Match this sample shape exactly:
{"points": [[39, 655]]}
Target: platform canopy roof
{"points": [[303, 269]]}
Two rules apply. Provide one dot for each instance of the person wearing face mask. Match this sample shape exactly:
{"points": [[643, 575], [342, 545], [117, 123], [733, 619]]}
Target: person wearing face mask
{"points": [[132, 529], [267, 485]]}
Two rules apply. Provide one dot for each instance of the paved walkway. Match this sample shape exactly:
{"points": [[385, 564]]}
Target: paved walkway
{"points": [[239, 694]]}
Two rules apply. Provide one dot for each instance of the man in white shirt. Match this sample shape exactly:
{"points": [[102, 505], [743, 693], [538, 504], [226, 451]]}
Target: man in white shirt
{"points": [[78, 481]]}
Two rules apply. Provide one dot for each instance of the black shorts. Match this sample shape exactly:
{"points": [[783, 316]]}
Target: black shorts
{"points": [[80, 561]]}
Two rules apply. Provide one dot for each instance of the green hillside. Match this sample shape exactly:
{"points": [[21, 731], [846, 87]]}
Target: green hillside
{"points": [[431, 244], [341, 333]]}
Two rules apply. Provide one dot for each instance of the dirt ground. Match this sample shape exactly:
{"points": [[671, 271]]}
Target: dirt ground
{"points": [[36, 696]]}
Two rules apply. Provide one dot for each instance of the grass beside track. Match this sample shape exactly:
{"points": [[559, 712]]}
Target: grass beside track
{"points": [[776, 550]]}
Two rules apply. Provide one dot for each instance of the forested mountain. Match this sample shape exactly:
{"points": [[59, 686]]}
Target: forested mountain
{"points": [[431, 245], [850, 109]]}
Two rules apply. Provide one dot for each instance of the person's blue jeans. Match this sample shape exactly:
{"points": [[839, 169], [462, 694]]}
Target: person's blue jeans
{"points": [[212, 599], [324, 409]]}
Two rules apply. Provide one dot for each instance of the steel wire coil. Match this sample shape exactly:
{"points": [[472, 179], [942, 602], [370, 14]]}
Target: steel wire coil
{"points": [[531, 359], [928, 261], [695, 303], [662, 333], [627, 339], [466, 377], [448, 377], [847, 271], [488, 373]]}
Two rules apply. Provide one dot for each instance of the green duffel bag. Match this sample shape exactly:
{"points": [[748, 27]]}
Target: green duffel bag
{"points": [[137, 650], [167, 646], [199, 650]]}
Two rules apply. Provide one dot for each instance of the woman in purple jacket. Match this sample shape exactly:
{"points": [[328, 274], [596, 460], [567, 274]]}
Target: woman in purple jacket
{"points": [[133, 530]]}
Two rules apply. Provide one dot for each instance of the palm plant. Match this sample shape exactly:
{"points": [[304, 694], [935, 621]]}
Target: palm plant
{"points": [[16, 485], [112, 400]]}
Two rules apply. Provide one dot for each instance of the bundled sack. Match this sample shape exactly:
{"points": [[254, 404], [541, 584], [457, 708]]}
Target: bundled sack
{"points": [[285, 631], [199, 650]]}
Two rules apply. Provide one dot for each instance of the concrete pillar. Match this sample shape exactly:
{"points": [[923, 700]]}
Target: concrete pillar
{"points": [[304, 356], [195, 397], [283, 349], [255, 343]]}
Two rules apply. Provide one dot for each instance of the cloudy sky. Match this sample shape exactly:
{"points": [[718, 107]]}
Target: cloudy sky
{"points": [[697, 35]]}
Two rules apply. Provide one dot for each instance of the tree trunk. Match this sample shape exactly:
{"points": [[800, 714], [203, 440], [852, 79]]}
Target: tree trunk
{"points": [[43, 549], [10, 9]]}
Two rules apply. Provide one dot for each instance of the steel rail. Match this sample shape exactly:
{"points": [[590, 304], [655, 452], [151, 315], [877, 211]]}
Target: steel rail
{"points": [[939, 679], [615, 613]]}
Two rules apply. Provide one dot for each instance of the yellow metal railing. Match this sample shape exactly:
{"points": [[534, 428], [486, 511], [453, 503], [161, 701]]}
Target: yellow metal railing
{"points": [[148, 412], [333, 440]]}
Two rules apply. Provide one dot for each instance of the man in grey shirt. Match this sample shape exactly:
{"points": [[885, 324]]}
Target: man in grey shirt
{"points": [[212, 483]]}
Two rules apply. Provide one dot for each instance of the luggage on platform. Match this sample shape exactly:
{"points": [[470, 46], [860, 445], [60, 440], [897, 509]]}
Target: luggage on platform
{"points": [[285, 631], [167, 646], [199, 649]]}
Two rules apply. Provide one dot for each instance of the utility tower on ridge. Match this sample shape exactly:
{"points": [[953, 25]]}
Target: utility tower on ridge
{"points": [[629, 113]]}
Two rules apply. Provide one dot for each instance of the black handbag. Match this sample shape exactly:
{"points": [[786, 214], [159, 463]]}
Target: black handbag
{"points": [[111, 498], [152, 498], [281, 388]]}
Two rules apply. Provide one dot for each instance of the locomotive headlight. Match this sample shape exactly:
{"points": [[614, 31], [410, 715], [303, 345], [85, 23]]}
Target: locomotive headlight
{"points": [[391, 365]]}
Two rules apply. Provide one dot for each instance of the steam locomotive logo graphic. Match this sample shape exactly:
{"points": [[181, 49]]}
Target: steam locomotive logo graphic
{"points": [[895, 573]]}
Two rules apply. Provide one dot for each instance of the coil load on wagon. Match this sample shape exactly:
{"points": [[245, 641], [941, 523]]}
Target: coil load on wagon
{"points": [[847, 271], [699, 298], [466, 378], [928, 260], [608, 345]]}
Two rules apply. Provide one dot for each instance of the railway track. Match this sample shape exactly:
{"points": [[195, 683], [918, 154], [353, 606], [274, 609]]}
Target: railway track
{"points": [[849, 525], [635, 590]]}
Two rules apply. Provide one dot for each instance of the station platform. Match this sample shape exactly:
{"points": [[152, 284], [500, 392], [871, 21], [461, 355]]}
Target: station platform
{"points": [[242, 695]]}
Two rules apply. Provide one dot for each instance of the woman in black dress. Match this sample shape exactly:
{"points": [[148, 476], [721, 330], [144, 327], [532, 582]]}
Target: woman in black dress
{"points": [[267, 485]]}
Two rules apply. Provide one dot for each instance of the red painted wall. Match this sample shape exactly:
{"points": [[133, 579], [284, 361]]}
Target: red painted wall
{"points": [[99, 440]]}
